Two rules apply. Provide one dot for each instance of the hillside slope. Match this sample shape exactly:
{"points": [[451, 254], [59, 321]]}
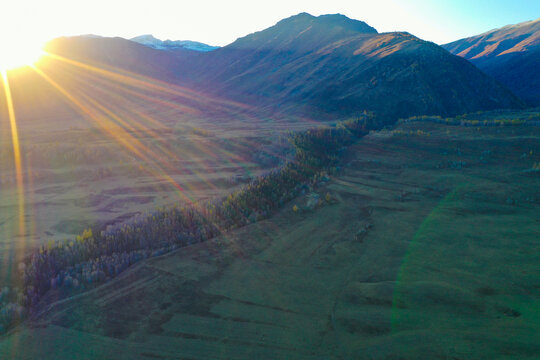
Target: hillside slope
{"points": [[510, 54]]}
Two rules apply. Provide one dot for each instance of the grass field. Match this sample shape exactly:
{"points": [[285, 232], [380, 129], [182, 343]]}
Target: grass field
{"points": [[427, 249]]}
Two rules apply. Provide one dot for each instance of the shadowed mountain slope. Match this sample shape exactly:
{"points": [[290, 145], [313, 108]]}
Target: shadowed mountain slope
{"points": [[117, 52], [510, 54], [334, 65]]}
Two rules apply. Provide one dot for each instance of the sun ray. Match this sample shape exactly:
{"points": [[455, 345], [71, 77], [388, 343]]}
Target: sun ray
{"points": [[116, 127], [125, 116], [155, 97], [146, 83], [115, 131], [16, 150]]}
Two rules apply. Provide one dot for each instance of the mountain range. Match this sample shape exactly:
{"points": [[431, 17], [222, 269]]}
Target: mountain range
{"points": [[510, 54], [331, 64], [316, 67]]}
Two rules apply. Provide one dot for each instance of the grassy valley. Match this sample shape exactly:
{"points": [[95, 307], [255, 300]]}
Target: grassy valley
{"points": [[423, 246]]}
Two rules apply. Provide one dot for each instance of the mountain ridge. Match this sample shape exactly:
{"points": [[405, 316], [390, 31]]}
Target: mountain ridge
{"points": [[511, 54]]}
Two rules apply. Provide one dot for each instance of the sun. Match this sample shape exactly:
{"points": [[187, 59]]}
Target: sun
{"points": [[16, 54]]}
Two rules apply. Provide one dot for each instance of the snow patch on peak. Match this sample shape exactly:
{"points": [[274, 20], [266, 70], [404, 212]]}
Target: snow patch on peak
{"points": [[171, 45]]}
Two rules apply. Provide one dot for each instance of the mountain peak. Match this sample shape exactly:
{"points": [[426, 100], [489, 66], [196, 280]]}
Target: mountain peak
{"points": [[347, 23], [146, 37], [304, 33], [331, 20]]}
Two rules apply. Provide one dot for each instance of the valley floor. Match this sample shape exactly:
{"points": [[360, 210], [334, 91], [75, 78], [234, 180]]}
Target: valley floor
{"points": [[428, 249]]}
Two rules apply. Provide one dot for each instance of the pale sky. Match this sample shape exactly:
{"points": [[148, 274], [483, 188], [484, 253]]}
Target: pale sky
{"points": [[221, 22]]}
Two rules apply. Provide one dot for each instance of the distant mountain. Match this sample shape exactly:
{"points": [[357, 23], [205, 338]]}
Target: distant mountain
{"points": [[333, 65], [510, 54], [172, 45]]}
